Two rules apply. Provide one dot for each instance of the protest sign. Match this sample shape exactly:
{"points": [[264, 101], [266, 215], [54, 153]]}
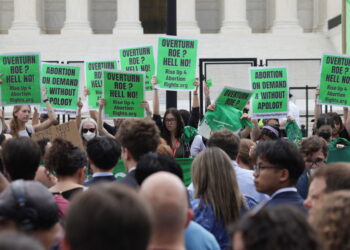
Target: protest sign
{"points": [[62, 86], [270, 86], [139, 59], [177, 59], [209, 83], [67, 131], [335, 80], [21, 79], [124, 92], [234, 97], [94, 79]]}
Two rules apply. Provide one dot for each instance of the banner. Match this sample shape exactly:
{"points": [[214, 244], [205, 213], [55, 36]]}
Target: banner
{"points": [[177, 59], [62, 87], [124, 92], [67, 131], [139, 59], [270, 86], [234, 97], [94, 79], [21, 79], [335, 80]]}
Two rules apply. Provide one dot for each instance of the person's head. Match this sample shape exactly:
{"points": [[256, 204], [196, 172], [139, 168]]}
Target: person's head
{"points": [[151, 163], [185, 115], [333, 177], [172, 123], [221, 192], [44, 144], [338, 123], [88, 129], [21, 158], [279, 165], [66, 160], [227, 141], [243, 158], [270, 133], [271, 122], [29, 207], [163, 148], [108, 216], [331, 220], [138, 137], [281, 227], [20, 115], [314, 151], [11, 240], [103, 152], [325, 126], [43, 117], [168, 199]]}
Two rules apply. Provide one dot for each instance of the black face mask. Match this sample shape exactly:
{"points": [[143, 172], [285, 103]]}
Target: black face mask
{"points": [[325, 135]]}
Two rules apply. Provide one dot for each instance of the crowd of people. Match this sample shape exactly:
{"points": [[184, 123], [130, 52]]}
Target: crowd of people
{"points": [[251, 189]]}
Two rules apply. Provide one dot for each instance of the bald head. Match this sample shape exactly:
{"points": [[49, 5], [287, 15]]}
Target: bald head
{"points": [[168, 198]]}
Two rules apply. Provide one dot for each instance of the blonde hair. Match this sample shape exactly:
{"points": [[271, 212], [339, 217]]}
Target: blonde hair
{"points": [[14, 124], [82, 124], [215, 183], [164, 149]]}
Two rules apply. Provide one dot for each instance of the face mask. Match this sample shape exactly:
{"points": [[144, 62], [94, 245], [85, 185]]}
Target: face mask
{"points": [[325, 135], [88, 136]]}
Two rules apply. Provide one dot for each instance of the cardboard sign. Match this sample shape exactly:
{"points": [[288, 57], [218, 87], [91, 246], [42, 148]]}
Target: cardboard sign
{"points": [[67, 131], [335, 80], [270, 86], [21, 79]]}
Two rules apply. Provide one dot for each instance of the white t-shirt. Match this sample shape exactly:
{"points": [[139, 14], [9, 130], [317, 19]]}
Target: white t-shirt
{"points": [[24, 132]]}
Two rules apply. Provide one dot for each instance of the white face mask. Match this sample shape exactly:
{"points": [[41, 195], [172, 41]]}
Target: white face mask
{"points": [[89, 135]]}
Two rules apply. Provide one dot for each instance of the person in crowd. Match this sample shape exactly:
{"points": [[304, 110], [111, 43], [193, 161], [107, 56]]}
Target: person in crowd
{"points": [[172, 127], [281, 227], [21, 158], [103, 154], [68, 162], [21, 115], [270, 130], [330, 220], [88, 130], [279, 166], [229, 142], [198, 145], [314, 151], [243, 159], [11, 240], [324, 127], [28, 206], [108, 216], [217, 201], [167, 196], [137, 137], [163, 148], [333, 177]]}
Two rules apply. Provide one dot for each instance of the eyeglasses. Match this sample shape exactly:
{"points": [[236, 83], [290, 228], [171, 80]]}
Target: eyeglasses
{"points": [[316, 162], [171, 120], [257, 168], [85, 130]]}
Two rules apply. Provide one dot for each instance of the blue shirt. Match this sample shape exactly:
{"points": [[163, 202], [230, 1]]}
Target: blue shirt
{"points": [[196, 237]]}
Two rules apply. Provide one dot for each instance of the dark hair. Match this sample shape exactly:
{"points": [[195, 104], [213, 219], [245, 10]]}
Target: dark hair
{"points": [[227, 141], [283, 154], [152, 162], [42, 145], [273, 131], [179, 125], [336, 175], [10, 240], [281, 227], [337, 120], [64, 158], [108, 216], [21, 158], [324, 119], [38, 209], [185, 115], [139, 136], [314, 144], [104, 152]]}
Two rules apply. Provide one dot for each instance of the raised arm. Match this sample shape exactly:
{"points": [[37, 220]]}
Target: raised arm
{"points": [[255, 132], [145, 105], [155, 97], [206, 95], [318, 107], [78, 116], [52, 115], [35, 118], [194, 118], [101, 130], [347, 121], [3, 122]]}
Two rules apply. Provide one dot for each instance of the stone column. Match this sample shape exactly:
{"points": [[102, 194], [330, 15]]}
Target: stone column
{"points": [[128, 18], [320, 13], [77, 17], [186, 17], [235, 17], [25, 17], [286, 17]]}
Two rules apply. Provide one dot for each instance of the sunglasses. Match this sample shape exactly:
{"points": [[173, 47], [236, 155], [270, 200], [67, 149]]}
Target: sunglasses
{"points": [[85, 130]]}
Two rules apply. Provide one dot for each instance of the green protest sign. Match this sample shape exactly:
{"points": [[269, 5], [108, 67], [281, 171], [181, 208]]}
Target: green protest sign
{"points": [[139, 59], [124, 92], [62, 86], [335, 80], [270, 86], [177, 59], [209, 83], [94, 79], [21, 79], [234, 97]]}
